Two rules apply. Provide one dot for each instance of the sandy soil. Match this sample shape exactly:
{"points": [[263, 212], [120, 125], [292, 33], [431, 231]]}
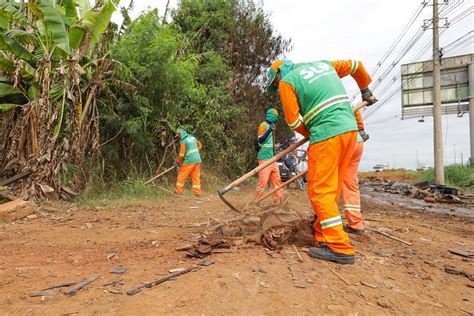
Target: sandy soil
{"points": [[69, 242]]}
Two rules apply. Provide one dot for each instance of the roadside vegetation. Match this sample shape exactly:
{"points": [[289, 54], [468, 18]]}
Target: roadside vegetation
{"points": [[84, 100], [459, 176]]}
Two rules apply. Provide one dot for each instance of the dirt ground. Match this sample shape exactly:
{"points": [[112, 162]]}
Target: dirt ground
{"points": [[69, 242]]}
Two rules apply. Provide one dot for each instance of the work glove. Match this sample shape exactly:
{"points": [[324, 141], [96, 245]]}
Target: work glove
{"points": [[272, 126], [368, 96], [177, 165], [364, 135]]}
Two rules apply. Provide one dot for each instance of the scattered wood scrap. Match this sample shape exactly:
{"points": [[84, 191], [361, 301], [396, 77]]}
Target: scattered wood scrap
{"points": [[73, 290], [56, 286], [15, 210], [298, 277], [462, 253], [113, 282], [42, 293], [337, 274], [391, 237], [300, 258], [456, 271], [14, 178], [171, 276]]}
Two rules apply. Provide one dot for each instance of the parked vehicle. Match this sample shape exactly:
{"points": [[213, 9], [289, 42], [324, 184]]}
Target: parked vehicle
{"points": [[379, 168], [293, 164]]}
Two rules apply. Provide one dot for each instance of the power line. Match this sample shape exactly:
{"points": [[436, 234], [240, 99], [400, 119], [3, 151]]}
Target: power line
{"points": [[458, 39], [458, 18], [462, 40], [397, 41], [392, 47], [445, 11], [462, 16]]}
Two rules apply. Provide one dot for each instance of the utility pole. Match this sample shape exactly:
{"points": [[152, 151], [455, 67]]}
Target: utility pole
{"points": [[462, 160], [471, 110], [437, 126]]}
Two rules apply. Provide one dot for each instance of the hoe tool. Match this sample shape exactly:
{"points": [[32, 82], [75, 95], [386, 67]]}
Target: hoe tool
{"points": [[282, 154], [281, 186], [246, 176]]}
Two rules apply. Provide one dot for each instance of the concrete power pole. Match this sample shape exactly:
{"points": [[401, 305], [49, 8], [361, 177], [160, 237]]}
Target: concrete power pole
{"points": [[437, 126], [471, 110]]}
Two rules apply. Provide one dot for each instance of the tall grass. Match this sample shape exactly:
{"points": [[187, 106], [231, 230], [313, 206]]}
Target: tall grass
{"points": [[455, 175], [124, 192], [134, 190]]}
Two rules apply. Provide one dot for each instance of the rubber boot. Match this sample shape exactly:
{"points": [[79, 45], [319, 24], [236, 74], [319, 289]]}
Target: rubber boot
{"points": [[324, 253], [351, 230]]}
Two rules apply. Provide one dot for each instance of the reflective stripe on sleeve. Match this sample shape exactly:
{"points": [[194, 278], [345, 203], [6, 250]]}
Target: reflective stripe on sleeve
{"points": [[355, 65], [296, 123]]}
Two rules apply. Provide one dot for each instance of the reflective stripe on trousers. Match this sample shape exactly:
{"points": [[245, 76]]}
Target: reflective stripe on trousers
{"points": [[350, 191], [193, 170], [327, 164]]}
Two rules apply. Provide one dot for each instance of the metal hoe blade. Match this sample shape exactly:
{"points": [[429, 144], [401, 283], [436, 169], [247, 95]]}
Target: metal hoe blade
{"points": [[221, 196]]}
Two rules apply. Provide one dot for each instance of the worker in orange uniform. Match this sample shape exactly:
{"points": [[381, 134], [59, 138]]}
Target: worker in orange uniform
{"points": [[266, 152], [316, 105], [350, 185], [190, 159]]}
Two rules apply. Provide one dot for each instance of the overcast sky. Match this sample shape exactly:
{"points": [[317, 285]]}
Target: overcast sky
{"points": [[364, 30]]}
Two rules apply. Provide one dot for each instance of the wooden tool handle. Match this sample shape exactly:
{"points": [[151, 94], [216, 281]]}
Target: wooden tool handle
{"points": [[262, 166]]}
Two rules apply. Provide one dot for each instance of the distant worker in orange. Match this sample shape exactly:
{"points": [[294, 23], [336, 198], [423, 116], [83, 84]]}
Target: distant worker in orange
{"points": [[350, 185], [316, 105], [190, 159], [266, 142]]}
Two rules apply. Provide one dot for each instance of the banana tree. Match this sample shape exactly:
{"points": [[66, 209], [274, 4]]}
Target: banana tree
{"points": [[53, 65]]}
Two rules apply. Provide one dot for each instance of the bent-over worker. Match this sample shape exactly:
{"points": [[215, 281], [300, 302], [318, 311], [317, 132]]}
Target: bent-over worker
{"points": [[316, 105]]}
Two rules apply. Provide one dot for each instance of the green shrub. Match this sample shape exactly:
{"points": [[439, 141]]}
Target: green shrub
{"points": [[455, 175]]}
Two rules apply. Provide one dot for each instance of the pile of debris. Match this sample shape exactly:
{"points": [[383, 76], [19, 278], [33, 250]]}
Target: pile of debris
{"points": [[431, 193], [271, 228]]}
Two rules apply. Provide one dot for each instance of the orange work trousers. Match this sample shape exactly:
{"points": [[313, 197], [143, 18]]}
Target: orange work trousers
{"points": [[350, 191], [269, 173], [327, 165], [194, 170]]}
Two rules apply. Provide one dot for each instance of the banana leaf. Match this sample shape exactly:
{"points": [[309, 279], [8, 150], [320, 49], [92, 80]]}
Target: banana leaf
{"points": [[7, 90], [8, 106], [15, 48], [55, 25]]}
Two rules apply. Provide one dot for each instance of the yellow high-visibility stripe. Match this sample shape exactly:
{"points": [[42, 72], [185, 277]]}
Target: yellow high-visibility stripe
{"points": [[331, 222], [324, 105], [351, 206], [296, 123], [179, 184]]}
